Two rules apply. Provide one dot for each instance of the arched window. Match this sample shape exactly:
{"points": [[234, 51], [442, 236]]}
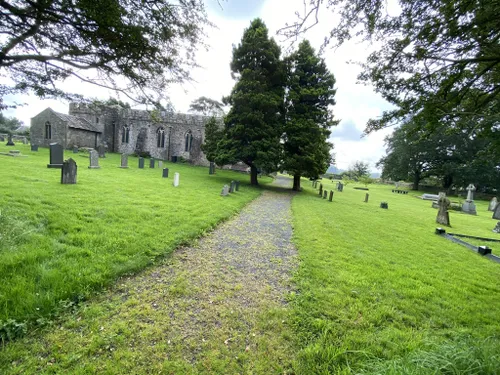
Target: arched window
{"points": [[48, 130], [125, 134], [189, 141], [160, 137]]}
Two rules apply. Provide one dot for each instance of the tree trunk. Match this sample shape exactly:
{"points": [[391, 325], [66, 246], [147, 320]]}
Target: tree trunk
{"points": [[416, 180], [296, 182], [253, 175]]}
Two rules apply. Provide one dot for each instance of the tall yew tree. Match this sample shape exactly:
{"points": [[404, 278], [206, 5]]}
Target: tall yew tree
{"points": [[310, 91], [253, 126]]}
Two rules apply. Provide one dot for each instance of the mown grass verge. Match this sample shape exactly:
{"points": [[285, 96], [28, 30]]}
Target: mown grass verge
{"points": [[379, 293], [60, 243]]}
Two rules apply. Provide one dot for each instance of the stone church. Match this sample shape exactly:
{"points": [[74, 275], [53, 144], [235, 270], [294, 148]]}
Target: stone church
{"points": [[162, 135]]}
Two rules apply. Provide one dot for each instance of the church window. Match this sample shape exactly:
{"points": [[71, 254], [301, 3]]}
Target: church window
{"points": [[160, 138], [125, 134], [48, 130], [189, 141]]}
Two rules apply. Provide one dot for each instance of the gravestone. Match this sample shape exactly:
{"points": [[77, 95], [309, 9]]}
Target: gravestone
{"points": [[231, 187], [225, 191], [443, 216], [340, 187], [34, 148], [68, 172], [325, 194], [237, 185], [160, 164], [10, 142], [102, 151], [25, 141], [211, 168], [56, 156], [141, 163], [94, 160], [493, 204], [151, 163], [177, 178], [165, 172], [75, 150], [384, 205], [331, 195], [497, 228], [124, 161], [496, 213], [366, 197], [320, 190], [429, 197], [469, 207], [2, 138]]}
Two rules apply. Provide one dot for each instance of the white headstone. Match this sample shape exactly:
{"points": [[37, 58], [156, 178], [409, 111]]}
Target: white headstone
{"points": [[493, 204], [470, 189], [225, 191], [176, 179]]}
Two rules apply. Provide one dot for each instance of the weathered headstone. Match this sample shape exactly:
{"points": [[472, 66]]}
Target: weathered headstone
{"points": [[124, 161], [177, 178], [25, 141], [10, 142], [75, 150], [152, 163], [366, 197], [237, 186], [340, 187], [429, 197], [325, 194], [497, 228], [225, 191], [165, 172], [331, 195], [160, 164], [493, 204], [469, 207], [68, 172], [496, 213], [34, 148], [211, 168], [443, 216], [384, 205], [320, 190], [93, 160], [102, 151], [56, 156], [231, 187], [141, 163]]}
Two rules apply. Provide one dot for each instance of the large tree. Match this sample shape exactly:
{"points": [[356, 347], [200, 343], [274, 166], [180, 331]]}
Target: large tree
{"points": [[437, 60], [253, 126], [213, 134], [207, 106], [310, 93], [137, 47], [9, 124]]}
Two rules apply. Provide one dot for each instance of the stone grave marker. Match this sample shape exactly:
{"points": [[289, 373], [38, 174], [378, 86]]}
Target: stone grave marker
{"points": [[25, 141], [469, 207], [56, 156], [366, 197], [93, 159], [2, 138], [493, 204], [124, 161], [325, 194], [75, 150], [102, 151], [443, 216], [496, 213], [237, 185], [10, 142], [68, 172], [231, 187], [34, 148], [211, 168], [160, 164], [320, 190], [331, 195], [176, 179], [141, 163], [152, 163], [165, 172], [225, 191], [497, 228], [384, 205]]}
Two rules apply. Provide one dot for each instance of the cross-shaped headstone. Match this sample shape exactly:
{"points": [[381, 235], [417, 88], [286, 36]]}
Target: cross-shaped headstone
{"points": [[470, 189]]}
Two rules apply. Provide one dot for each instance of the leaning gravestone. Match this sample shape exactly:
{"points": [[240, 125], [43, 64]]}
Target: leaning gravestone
{"points": [[141, 163], [469, 207], [225, 191], [152, 163], [102, 151], [94, 160], [68, 172], [493, 204], [176, 179], [496, 213], [165, 173], [34, 148], [443, 216], [56, 156], [124, 161], [10, 142]]}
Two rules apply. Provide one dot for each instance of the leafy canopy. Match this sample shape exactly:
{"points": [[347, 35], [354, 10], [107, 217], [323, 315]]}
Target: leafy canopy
{"points": [[207, 106]]}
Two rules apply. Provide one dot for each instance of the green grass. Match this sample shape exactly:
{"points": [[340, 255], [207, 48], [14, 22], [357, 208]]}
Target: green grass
{"points": [[380, 293], [60, 243]]}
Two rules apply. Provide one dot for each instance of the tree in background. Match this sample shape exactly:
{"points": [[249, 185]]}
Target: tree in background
{"points": [[207, 107], [253, 126], [9, 125], [213, 134], [310, 92], [359, 169], [145, 44]]}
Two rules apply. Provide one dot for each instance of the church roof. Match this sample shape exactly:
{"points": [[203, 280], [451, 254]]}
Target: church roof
{"points": [[77, 122]]}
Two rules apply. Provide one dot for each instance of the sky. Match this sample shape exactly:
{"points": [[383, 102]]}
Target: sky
{"points": [[355, 103]]}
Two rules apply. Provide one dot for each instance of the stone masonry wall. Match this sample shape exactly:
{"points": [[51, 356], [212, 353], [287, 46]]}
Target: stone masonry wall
{"points": [[82, 138], [37, 130]]}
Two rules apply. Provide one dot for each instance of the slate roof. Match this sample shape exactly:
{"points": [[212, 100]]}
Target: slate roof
{"points": [[77, 122]]}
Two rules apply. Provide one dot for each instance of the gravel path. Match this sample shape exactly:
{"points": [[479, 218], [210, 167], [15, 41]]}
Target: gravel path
{"points": [[216, 307]]}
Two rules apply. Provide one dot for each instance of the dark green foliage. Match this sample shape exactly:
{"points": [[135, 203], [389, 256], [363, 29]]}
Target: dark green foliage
{"points": [[207, 106], [310, 92], [147, 44], [213, 134], [253, 126], [359, 169], [9, 124]]}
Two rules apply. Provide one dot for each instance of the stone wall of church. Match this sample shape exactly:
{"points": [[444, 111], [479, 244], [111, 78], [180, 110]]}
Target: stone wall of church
{"points": [[37, 129]]}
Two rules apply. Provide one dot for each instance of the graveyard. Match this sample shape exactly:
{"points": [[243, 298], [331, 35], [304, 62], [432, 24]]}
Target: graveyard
{"points": [[374, 291]]}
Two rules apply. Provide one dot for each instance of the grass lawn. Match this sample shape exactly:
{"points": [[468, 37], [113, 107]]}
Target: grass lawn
{"points": [[380, 293], [60, 243]]}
